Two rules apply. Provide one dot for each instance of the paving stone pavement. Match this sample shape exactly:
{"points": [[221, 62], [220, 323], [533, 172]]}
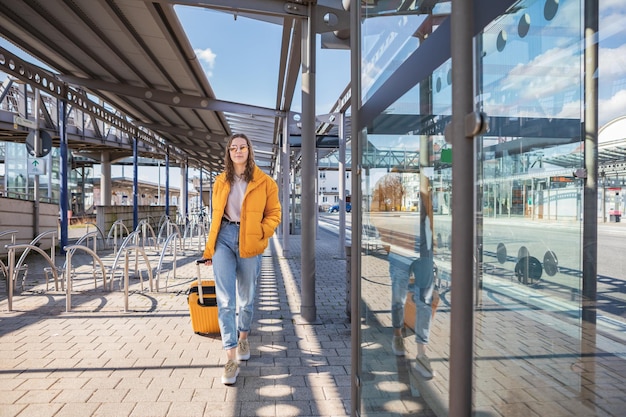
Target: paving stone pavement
{"points": [[100, 360]]}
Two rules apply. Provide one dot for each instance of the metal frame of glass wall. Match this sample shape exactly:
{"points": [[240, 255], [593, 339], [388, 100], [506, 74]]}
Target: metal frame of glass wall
{"points": [[489, 259]]}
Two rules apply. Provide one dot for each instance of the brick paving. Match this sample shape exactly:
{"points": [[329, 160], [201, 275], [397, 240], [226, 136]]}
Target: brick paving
{"points": [[101, 360], [98, 360]]}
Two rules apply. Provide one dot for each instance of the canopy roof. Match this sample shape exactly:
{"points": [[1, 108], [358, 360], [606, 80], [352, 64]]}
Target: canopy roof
{"points": [[136, 56]]}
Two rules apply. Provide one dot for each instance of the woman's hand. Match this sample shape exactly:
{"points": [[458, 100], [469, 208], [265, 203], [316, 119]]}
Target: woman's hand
{"points": [[207, 262]]}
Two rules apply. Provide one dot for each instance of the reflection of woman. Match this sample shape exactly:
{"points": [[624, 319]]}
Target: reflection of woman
{"points": [[403, 264], [422, 270], [246, 211]]}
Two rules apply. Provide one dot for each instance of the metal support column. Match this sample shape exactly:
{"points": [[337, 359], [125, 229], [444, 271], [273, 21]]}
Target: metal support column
{"points": [[63, 171], [590, 200], [461, 312], [105, 178], [37, 149], [186, 200], [355, 248], [135, 183], [342, 186], [308, 308], [286, 186], [167, 183], [182, 201], [201, 202]]}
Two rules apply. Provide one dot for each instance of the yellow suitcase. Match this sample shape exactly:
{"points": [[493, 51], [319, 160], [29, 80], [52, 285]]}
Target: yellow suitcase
{"points": [[203, 306]]}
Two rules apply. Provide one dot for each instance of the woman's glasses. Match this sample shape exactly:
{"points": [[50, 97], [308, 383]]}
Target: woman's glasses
{"points": [[241, 148]]}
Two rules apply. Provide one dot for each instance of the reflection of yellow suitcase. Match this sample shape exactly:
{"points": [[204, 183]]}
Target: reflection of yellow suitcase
{"points": [[203, 306]]}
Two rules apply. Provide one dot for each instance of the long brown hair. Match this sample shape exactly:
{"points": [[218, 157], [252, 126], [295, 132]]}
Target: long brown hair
{"points": [[228, 163]]}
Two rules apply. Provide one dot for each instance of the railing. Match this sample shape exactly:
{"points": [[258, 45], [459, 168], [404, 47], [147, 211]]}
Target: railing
{"points": [[27, 196]]}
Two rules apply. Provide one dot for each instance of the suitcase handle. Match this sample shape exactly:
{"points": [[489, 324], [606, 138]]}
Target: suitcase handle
{"points": [[198, 263]]}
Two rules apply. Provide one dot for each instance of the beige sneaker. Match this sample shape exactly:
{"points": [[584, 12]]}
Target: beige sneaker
{"points": [[397, 345], [422, 365], [243, 350], [231, 370]]}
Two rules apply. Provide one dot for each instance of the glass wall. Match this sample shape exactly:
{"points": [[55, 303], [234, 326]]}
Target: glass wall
{"points": [[539, 347], [405, 262], [19, 181], [528, 212]]}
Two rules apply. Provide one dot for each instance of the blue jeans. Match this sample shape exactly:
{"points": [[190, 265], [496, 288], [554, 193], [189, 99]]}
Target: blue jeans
{"points": [[400, 269], [235, 285]]}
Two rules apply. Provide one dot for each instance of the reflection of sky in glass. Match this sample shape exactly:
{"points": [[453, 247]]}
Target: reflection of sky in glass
{"points": [[612, 61], [535, 73], [404, 142], [387, 42], [531, 65]]}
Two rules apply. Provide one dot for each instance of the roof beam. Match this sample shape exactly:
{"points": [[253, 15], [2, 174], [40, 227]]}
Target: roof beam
{"points": [[279, 8], [328, 19], [172, 99], [192, 134], [50, 83]]}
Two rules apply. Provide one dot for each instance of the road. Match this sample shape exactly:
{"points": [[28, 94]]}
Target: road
{"points": [[563, 239]]}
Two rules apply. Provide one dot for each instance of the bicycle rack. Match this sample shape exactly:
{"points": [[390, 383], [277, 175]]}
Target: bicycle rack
{"points": [[79, 242], [69, 251], [11, 250], [137, 249], [170, 227], [143, 227], [117, 225], [33, 244], [158, 270], [196, 224], [100, 233], [3, 267]]}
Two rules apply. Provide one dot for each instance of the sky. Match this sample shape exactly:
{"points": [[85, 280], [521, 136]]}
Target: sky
{"points": [[241, 59]]}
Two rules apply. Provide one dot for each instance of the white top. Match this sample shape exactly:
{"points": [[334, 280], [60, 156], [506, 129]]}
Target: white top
{"points": [[235, 199]]}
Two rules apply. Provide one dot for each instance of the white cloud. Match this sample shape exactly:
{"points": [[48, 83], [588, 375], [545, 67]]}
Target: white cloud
{"points": [[612, 108], [611, 6], [612, 63], [207, 59], [534, 85]]}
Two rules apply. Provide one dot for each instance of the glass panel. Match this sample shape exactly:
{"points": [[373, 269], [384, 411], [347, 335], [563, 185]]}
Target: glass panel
{"points": [[540, 349], [405, 261], [391, 31], [535, 353]]}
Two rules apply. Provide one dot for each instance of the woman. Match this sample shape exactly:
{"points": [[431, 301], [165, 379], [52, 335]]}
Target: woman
{"points": [[246, 211]]}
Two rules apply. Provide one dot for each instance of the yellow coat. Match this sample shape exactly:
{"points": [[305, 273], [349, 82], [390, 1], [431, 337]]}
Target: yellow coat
{"points": [[260, 214]]}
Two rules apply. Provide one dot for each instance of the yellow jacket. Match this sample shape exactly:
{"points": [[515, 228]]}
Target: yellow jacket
{"points": [[260, 214]]}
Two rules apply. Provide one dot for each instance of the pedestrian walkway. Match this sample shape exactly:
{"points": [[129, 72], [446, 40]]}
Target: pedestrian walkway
{"points": [[98, 360]]}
